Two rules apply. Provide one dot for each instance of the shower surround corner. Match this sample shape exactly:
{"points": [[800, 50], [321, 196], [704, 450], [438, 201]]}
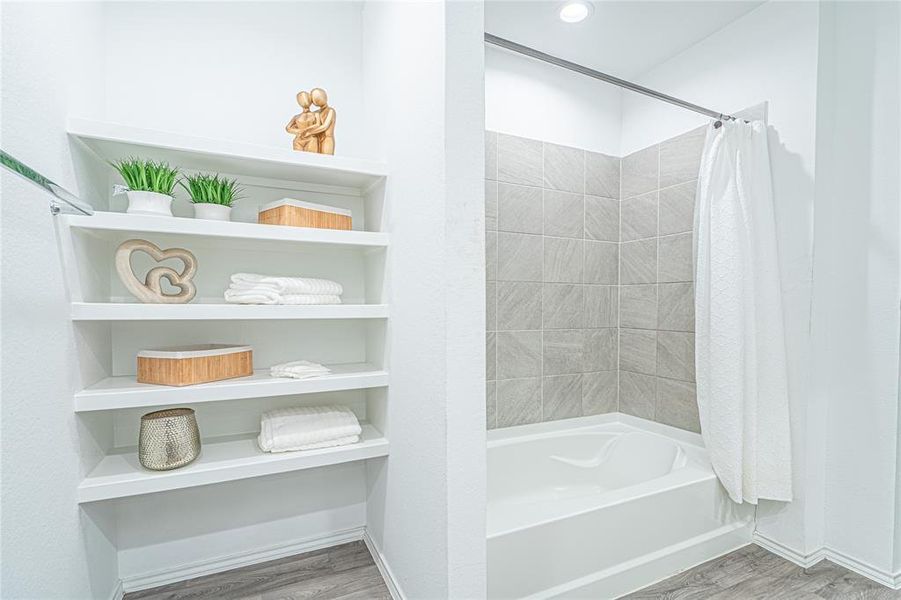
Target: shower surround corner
{"points": [[590, 295]]}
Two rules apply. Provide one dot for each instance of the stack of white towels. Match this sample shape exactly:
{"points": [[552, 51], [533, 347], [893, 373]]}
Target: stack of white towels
{"points": [[308, 428], [298, 369], [250, 288]]}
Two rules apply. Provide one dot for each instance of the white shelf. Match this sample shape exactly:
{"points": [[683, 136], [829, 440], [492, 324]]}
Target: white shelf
{"points": [[115, 393], [117, 227], [112, 311], [120, 474], [113, 141]]}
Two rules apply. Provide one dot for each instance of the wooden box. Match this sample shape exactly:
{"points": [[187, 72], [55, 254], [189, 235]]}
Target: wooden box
{"points": [[297, 213], [188, 365]]}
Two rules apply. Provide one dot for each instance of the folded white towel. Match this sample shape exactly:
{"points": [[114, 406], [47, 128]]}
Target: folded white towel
{"points": [[256, 296], [308, 299], [298, 369], [289, 285], [264, 296], [307, 427]]}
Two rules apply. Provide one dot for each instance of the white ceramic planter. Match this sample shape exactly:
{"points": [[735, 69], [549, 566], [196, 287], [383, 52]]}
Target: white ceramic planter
{"points": [[213, 212], [149, 203]]}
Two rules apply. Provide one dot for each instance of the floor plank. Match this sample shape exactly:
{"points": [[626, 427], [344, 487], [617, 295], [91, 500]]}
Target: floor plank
{"points": [[752, 573], [345, 572]]}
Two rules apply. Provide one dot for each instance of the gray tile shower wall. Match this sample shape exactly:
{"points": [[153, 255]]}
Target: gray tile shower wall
{"points": [[590, 305], [656, 303], [552, 220]]}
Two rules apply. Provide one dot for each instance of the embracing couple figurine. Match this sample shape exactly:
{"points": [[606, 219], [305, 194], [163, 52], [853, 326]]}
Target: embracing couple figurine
{"points": [[314, 131]]}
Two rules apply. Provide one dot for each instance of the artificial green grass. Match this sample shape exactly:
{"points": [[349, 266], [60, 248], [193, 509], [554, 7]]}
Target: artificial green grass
{"points": [[147, 175], [211, 189]]}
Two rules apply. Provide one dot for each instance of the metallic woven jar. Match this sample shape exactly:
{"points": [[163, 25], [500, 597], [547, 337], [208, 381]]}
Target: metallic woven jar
{"points": [[169, 439]]}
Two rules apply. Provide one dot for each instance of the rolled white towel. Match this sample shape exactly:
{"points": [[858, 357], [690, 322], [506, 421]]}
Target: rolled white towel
{"points": [[307, 427], [308, 299], [255, 296], [289, 285], [298, 369]]}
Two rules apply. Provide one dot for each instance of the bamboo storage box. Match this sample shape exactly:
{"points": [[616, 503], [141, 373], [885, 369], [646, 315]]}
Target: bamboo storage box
{"points": [[297, 213], [187, 365]]}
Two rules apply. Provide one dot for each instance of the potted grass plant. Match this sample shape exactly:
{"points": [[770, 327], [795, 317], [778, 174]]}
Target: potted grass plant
{"points": [[212, 195], [149, 185]]}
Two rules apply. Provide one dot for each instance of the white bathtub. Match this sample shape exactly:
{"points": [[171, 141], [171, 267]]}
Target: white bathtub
{"points": [[598, 507]]}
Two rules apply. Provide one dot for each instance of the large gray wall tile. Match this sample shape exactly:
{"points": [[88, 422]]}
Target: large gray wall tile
{"points": [[639, 172], [518, 401], [638, 351], [564, 168], [680, 157], [677, 208], [676, 355], [601, 306], [518, 354], [563, 306], [638, 263], [518, 305], [601, 262], [563, 214], [491, 306], [638, 306], [637, 394], [563, 350], [677, 404], [519, 160], [491, 155], [599, 392], [519, 208], [601, 175], [562, 397], [490, 205], [491, 404], [676, 307], [490, 355], [491, 255], [602, 218], [519, 257], [600, 350], [639, 217], [675, 258], [562, 260]]}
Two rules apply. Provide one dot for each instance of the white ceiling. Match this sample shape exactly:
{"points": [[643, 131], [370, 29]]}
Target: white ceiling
{"points": [[622, 38]]}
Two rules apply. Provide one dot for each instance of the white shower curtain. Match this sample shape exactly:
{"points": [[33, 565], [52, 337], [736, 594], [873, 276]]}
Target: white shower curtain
{"points": [[740, 343]]}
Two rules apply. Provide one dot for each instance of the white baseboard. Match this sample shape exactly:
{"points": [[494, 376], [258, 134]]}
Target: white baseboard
{"points": [[118, 593], [890, 580], [384, 569], [240, 559]]}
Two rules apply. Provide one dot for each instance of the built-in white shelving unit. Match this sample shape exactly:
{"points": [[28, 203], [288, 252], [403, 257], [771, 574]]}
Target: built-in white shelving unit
{"points": [[124, 392], [116, 311], [350, 336], [119, 474]]}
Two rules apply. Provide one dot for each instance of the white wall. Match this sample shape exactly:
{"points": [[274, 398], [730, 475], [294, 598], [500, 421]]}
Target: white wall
{"points": [[433, 211], [769, 55], [231, 70], [857, 283], [531, 99], [51, 55]]}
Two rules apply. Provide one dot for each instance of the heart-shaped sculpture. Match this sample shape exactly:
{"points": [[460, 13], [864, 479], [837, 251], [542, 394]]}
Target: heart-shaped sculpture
{"points": [[151, 292]]}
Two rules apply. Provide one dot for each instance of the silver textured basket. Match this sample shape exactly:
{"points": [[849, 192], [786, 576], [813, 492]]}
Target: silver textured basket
{"points": [[169, 439]]}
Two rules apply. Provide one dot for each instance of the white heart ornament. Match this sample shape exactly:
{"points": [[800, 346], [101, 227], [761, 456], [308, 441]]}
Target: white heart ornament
{"points": [[150, 291]]}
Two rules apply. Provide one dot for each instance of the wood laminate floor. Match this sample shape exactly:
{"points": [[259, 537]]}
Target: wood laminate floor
{"points": [[752, 573], [344, 572], [347, 572]]}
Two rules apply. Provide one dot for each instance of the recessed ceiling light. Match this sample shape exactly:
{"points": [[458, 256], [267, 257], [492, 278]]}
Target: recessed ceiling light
{"points": [[575, 11]]}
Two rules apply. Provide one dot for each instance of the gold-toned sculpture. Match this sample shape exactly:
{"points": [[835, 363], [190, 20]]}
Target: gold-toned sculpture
{"points": [[314, 131]]}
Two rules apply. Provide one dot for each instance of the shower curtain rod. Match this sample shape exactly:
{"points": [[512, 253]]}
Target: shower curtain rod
{"points": [[537, 54]]}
